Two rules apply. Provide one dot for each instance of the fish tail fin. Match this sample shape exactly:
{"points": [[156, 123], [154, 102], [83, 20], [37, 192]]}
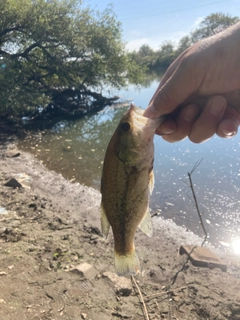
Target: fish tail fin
{"points": [[127, 263]]}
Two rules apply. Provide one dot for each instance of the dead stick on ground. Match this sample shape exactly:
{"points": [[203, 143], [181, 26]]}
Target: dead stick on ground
{"points": [[195, 199], [141, 298], [163, 293]]}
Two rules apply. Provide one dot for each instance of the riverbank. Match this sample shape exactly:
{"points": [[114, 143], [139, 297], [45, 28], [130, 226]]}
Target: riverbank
{"points": [[50, 229]]}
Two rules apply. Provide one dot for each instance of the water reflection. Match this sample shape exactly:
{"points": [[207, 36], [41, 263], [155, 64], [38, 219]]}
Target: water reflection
{"points": [[77, 148]]}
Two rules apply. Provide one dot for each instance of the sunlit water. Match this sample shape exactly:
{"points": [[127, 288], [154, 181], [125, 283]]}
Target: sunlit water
{"points": [[76, 149]]}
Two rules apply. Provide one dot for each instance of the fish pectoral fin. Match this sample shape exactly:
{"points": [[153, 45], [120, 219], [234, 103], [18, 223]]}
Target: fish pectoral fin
{"points": [[151, 182], [126, 264], [146, 224], [105, 225]]}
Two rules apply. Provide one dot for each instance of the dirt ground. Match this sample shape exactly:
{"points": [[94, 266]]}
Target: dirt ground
{"points": [[50, 230]]}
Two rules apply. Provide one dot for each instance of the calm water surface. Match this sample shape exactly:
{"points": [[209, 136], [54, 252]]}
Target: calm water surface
{"points": [[76, 149]]}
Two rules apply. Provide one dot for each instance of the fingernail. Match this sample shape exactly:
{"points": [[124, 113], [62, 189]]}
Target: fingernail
{"points": [[217, 104], [229, 134], [151, 112], [167, 129], [189, 114]]}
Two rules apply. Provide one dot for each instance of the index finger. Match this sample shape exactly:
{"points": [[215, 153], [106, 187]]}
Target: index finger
{"points": [[168, 73], [182, 83]]}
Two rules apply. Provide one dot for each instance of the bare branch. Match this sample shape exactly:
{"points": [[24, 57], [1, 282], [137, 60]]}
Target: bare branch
{"points": [[196, 165], [141, 297], [24, 54], [8, 30], [195, 199]]}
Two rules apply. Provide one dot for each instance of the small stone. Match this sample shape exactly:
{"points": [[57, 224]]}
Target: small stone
{"points": [[122, 285], [84, 315], [85, 270], [12, 153], [19, 180], [24, 179], [13, 183]]}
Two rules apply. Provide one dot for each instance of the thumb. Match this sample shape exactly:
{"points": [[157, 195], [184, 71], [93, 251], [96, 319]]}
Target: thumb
{"points": [[167, 98]]}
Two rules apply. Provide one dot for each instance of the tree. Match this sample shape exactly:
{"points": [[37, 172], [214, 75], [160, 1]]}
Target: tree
{"points": [[56, 56], [167, 48], [166, 55], [144, 57], [213, 24], [183, 44], [145, 50]]}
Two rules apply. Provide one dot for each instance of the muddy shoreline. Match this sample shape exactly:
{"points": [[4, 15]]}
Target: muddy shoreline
{"points": [[52, 229]]}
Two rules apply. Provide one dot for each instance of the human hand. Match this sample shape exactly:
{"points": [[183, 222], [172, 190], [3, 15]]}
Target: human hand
{"points": [[200, 91]]}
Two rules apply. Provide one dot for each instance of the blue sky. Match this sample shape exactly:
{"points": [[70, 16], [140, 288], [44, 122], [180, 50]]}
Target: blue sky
{"points": [[154, 21]]}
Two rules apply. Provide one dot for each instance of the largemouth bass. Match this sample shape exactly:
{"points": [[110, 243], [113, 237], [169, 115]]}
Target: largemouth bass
{"points": [[127, 182]]}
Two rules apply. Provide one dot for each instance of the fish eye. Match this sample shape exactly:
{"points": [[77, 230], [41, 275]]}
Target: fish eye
{"points": [[125, 126]]}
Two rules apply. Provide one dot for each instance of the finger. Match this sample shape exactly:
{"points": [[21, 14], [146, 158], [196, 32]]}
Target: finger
{"points": [[167, 127], [227, 128], [184, 123], [171, 94], [172, 68], [207, 123], [168, 73]]}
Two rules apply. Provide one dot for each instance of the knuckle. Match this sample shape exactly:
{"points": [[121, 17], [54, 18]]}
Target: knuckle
{"points": [[164, 98]]}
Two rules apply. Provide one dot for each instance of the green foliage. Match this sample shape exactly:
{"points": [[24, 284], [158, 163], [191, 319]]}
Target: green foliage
{"points": [[52, 47], [183, 44], [212, 24], [166, 55]]}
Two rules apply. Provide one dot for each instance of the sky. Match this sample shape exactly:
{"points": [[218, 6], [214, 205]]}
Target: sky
{"points": [[154, 21]]}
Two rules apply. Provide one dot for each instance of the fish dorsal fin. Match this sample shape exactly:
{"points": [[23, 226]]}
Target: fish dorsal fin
{"points": [[104, 222], [146, 224], [151, 182]]}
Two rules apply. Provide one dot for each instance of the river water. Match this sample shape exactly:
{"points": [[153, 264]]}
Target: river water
{"points": [[76, 149]]}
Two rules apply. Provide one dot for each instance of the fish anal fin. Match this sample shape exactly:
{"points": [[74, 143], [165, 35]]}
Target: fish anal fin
{"points": [[151, 182], [105, 225], [127, 264], [146, 224]]}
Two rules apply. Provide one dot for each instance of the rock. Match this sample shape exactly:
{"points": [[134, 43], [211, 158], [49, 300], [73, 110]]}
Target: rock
{"points": [[122, 285], [84, 316], [20, 180], [85, 270], [13, 183], [12, 153]]}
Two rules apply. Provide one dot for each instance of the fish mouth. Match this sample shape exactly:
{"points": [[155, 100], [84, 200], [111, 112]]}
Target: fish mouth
{"points": [[140, 121], [137, 114]]}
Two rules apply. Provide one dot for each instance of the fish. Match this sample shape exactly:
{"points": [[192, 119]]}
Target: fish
{"points": [[126, 185]]}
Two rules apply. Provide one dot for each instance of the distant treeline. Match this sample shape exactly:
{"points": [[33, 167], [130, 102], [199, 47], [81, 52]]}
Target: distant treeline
{"points": [[158, 60]]}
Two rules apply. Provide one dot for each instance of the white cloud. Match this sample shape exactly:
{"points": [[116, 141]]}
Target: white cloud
{"points": [[137, 43], [137, 37], [155, 42], [197, 22]]}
